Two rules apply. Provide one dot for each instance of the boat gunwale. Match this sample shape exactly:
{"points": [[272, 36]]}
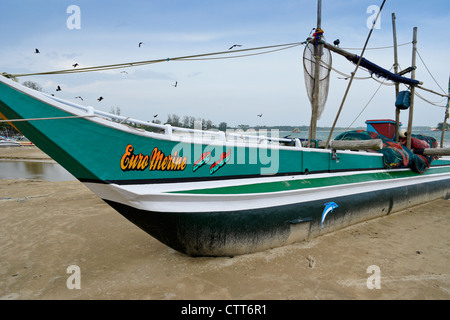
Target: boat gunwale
{"points": [[176, 202], [185, 188], [88, 113]]}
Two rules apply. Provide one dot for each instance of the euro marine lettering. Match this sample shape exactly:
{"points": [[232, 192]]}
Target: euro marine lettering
{"points": [[157, 161]]}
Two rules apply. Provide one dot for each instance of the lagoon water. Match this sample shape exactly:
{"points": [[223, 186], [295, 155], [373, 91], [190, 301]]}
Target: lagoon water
{"points": [[27, 169]]}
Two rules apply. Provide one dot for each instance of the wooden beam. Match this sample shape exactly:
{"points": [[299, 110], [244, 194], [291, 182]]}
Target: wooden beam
{"points": [[373, 144], [444, 124], [318, 51], [413, 76], [397, 85], [434, 151]]}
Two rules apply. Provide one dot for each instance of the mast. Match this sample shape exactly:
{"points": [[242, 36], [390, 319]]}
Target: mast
{"points": [[397, 110], [353, 75], [318, 48], [413, 76], [444, 124]]}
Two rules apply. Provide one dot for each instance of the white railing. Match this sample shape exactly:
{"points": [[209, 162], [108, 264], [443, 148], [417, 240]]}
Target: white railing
{"points": [[170, 130]]}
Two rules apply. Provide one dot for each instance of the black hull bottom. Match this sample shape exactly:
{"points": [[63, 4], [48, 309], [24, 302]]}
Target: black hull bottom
{"points": [[247, 231]]}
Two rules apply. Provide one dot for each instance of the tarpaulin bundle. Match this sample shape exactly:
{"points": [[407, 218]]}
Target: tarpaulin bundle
{"points": [[395, 154], [380, 72]]}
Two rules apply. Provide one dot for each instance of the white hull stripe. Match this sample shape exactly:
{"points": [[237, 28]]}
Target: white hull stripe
{"points": [[149, 199]]}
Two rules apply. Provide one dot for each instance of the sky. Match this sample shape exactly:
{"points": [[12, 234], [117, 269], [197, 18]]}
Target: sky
{"points": [[235, 91]]}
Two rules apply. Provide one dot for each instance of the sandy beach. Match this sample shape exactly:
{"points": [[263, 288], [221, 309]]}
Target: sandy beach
{"points": [[46, 227]]}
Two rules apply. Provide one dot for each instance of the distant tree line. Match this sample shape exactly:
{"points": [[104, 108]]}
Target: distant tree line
{"points": [[440, 126], [189, 122], [8, 130]]}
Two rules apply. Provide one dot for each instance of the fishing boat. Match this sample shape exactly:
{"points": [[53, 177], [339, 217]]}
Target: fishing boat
{"points": [[212, 193], [23, 141], [9, 143]]}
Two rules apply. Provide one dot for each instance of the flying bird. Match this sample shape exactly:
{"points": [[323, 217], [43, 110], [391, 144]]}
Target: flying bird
{"points": [[79, 98], [336, 42], [36, 51], [259, 115], [234, 46], [58, 88], [124, 72], [140, 43], [176, 83], [75, 65], [100, 99], [155, 115]]}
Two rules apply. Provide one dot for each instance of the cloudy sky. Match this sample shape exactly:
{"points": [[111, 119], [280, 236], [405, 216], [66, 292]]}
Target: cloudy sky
{"points": [[229, 90]]}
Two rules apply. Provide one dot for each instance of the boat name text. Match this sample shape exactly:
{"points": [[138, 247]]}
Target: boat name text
{"points": [[156, 161]]}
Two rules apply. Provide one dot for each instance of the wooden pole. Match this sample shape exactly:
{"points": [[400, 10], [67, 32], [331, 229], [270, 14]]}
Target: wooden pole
{"points": [[372, 144], [353, 75], [444, 124], [436, 152], [318, 49], [397, 110], [413, 76]]}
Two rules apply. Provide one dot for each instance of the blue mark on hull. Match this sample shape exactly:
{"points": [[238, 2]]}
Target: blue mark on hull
{"points": [[329, 207]]}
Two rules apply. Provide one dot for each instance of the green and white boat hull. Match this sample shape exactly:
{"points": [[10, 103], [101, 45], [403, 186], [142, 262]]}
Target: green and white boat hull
{"points": [[237, 217], [208, 194]]}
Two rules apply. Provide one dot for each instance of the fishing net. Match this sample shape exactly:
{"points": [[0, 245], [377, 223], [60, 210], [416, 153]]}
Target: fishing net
{"points": [[395, 154], [309, 66]]}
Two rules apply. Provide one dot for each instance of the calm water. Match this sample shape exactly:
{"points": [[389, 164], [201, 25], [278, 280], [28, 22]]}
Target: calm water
{"points": [[33, 170]]}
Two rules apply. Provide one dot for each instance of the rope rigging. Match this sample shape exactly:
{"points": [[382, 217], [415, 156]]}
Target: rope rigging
{"points": [[378, 48], [383, 82], [353, 74], [367, 104], [41, 119], [430, 72], [232, 55], [147, 62]]}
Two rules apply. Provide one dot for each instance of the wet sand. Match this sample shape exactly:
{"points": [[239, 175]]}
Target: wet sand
{"points": [[45, 227]]}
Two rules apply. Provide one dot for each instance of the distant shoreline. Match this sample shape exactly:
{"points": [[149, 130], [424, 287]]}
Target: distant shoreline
{"points": [[306, 128]]}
